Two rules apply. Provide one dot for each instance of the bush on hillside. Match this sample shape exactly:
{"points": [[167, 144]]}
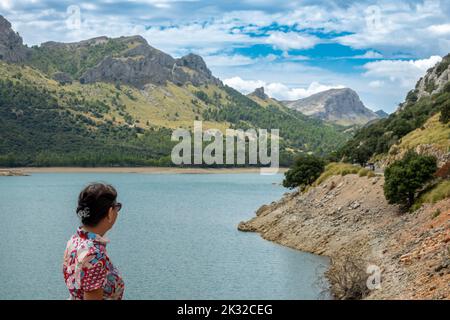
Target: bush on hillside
{"points": [[445, 112], [305, 170], [404, 178], [347, 278]]}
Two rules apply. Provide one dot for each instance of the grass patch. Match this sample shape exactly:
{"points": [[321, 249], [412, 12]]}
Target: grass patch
{"points": [[437, 193], [433, 132], [366, 173], [335, 169]]}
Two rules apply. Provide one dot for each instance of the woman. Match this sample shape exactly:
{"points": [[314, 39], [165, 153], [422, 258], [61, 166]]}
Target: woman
{"points": [[88, 271]]}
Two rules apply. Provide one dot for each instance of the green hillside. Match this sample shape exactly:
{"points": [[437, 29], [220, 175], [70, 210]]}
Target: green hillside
{"points": [[45, 123], [375, 140]]}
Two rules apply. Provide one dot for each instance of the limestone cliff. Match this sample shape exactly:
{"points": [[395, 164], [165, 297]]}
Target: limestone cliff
{"points": [[11, 44], [341, 106]]}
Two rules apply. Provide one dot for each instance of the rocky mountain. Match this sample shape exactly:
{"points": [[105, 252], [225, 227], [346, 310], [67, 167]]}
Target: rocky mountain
{"points": [[382, 114], [11, 44], [124, 60], [420, 124], [340, 106], [116, 101], [142, 64]]}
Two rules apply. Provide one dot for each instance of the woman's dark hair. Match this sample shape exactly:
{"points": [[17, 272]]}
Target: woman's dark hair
{"points": [[94, 202]]}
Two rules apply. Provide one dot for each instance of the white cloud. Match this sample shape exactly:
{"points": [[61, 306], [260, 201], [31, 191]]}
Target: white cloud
{"points": [[282, 92], [389, 26], [5, 4], [440, 29], [9, 4], [385, 25], [225, 60], [405, 73], [244, 86], [369, 55], [376, 84], [88, 6], [278, 90], [291, 40], [400, 29], [196, 36]]}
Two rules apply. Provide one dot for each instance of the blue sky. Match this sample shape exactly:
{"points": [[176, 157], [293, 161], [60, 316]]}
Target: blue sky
{"points": [[293, 48]]}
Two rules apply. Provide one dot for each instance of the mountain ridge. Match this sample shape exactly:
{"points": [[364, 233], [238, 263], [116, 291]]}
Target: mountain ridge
{"points": [[122, 97], [340, 106], [124, 60]]}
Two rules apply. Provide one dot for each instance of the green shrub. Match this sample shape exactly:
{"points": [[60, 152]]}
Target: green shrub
{"points": [[407, 176], [445, 112], [363, 172], [304, 172]]}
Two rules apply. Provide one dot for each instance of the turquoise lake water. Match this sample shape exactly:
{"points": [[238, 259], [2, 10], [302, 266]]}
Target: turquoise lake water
{"points": [[175, 238]]}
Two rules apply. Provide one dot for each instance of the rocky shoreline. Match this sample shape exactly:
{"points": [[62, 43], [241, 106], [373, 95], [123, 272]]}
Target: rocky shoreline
{"points": [[12, 173], [349, 217]]}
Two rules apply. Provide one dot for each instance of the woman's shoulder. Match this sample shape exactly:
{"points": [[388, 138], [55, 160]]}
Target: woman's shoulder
{"points": [[85, 245]]}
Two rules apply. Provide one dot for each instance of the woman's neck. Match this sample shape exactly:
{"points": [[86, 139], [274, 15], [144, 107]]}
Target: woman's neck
{"points": [[97, 230]]}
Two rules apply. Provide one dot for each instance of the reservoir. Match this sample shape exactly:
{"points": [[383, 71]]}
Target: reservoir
{"points": [[175, 238]]}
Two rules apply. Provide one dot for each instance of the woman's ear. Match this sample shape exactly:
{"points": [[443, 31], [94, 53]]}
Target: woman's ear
{"points": [[110, 215]]}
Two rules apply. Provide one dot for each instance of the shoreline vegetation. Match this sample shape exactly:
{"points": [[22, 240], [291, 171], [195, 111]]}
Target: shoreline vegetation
{"points": [[23, 171]]}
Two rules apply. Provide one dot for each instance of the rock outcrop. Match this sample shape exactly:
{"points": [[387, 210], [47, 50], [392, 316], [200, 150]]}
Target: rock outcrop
{"points": [[11, 44], [435, 79], [142, 64], [259, 93], [340, 106]]}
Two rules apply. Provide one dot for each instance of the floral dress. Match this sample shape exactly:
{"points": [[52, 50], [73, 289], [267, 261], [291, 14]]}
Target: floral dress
{"points": [[87, 267]]}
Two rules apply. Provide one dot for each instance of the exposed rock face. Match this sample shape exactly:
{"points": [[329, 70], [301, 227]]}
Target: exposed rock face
{"points": [[435, 79], [442, 156], [341, 106], [11, 44], [350, 217], [259, 92], [143, 64]]}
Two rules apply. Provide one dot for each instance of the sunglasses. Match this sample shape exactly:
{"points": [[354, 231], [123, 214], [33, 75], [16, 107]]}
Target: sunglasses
{"points": [[118, 206]]}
